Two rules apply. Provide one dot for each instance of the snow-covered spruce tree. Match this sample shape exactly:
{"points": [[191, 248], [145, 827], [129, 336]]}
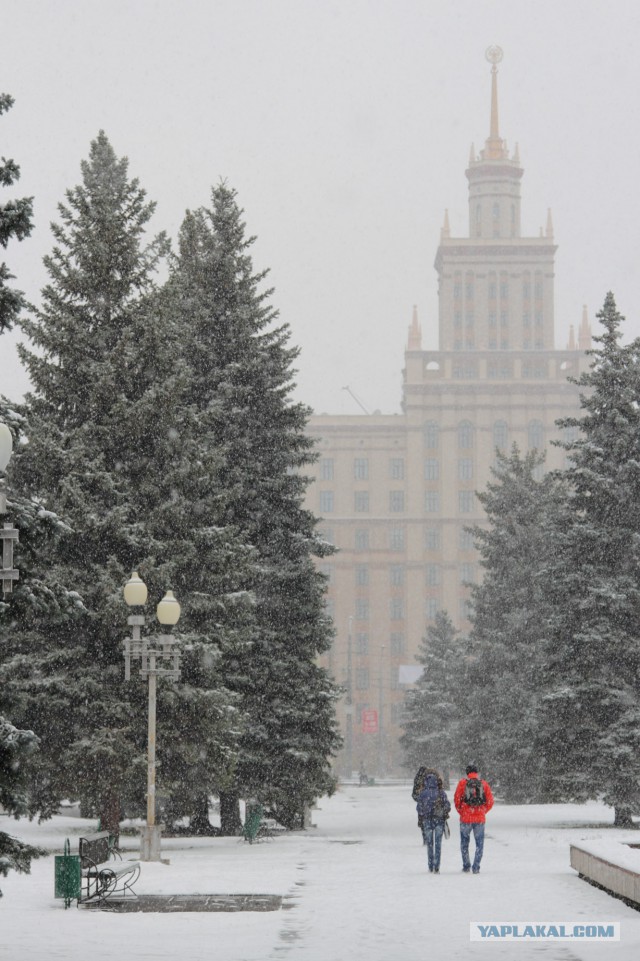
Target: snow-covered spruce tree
{"points": [[241, 380], [510, 612], [15, 222], [35, 597], [431, 717], [100, 271], [590, 731]]}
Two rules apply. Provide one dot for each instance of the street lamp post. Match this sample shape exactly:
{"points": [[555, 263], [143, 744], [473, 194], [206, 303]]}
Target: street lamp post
{"points": [[8, 534], [159, 657]]}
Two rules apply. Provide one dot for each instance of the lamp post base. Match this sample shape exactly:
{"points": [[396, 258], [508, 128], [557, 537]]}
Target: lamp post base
{"points": [[150, 838]]}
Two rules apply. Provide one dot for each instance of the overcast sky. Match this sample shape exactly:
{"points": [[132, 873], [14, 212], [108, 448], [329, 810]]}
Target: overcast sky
{"points": [[345, 127]]}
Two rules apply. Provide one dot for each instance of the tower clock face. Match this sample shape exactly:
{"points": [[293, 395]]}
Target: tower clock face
{"points": [[494, 54]]}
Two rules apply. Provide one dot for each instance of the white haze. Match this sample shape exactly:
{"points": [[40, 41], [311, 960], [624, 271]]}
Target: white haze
{"points": [[345, 127]]}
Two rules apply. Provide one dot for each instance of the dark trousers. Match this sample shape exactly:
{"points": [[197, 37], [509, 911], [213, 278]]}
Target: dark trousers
{"points": [[432, 834]]}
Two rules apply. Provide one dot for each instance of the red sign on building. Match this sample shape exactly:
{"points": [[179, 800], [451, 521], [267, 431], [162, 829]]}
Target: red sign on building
{"points": [[369, 722]]}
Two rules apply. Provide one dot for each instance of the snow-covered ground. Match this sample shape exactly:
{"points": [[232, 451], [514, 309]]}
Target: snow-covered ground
{"points": [[357, 885]]}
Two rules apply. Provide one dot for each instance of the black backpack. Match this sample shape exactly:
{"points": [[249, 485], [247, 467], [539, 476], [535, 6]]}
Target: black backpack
{"points": [[474, 792]]}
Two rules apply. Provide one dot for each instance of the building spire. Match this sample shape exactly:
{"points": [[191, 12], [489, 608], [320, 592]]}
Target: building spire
{"points": [[549, 230], [495, 148], [415, 333], [584, 334], [445, 230]]}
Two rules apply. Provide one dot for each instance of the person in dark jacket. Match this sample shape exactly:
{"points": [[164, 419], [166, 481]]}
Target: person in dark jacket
{"points": [[433, 810], [473, 799]]}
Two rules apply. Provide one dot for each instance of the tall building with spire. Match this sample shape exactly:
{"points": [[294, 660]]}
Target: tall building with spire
{"points": [[397, 493]]}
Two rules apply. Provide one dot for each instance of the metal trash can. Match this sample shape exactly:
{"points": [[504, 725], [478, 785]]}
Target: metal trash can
{"points": [[68, 875]]}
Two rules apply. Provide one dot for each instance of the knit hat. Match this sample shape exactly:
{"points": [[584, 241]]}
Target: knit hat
{"points": [[472, 769]]}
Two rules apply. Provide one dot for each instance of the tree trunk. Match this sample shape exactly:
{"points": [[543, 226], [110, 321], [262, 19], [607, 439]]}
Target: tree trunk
{"points": [[622, 818], [199, 821], [109, 813], [230, 822]]}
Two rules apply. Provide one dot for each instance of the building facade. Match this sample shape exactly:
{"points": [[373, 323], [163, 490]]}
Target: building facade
{"points": [[396, 493]]}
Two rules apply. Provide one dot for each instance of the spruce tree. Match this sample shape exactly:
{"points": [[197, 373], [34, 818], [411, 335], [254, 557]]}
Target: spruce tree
{"points": [[507, 641], [100, 271], [15, 222], [432, 721], [591, 721], [240, 385]]}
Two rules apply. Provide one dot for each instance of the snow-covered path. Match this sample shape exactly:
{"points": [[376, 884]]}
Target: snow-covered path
{"points": [[358, 888]]}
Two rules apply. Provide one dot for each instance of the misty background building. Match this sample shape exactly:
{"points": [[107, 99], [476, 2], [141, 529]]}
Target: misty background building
{"points": [[396, 493]]}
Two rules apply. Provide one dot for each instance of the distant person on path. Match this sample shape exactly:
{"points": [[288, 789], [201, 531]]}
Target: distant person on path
{"points": [[433, 810], [473, 799]]}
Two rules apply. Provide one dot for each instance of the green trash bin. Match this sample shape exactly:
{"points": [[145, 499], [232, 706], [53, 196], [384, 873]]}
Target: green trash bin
{"points": [[68, 875]]}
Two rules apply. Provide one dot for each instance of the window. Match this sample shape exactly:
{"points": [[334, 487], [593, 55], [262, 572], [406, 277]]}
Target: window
{"points": [[326, 468], [396, 539], [465, 468], [396, 609], [396, 468], [327, 570], [538, 318], [361, 501], [326, 533], [362, 609], [492, 290], [361, 468], [465, 609], [433, 575], [500, 434], [467, 574], [326, 502], [396, 502], [465, 501], [504, 318], [431, 435], [469, 318], [432, 539], [457, 290], [492, 318], [393, 677], [535, 433], [465, 434], [362, 679], [504, 290], [396, 643], [432, 502], [362, 575], [465, 540], [397, 713], [396, 575], [526, 319], [362, 539], [432, 608], [362, 643]]}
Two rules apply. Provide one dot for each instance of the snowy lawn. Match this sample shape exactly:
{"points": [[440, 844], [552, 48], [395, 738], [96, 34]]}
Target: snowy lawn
{"points": [[358, 885]]}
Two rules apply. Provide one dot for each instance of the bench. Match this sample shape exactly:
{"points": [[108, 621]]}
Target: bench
{"points": [[104, 873]]}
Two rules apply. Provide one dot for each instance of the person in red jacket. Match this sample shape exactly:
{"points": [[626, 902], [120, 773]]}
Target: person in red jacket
{"points": [[472, 799]]}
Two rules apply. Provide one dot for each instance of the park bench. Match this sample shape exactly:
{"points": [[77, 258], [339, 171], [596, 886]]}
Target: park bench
{"points": [[104, 873]]}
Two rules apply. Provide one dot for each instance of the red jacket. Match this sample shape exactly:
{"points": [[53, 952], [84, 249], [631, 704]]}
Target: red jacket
{"points": [[472, 814]]}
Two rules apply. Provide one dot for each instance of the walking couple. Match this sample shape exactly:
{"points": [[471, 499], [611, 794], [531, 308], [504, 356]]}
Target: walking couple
{"points": [[472, 800]]}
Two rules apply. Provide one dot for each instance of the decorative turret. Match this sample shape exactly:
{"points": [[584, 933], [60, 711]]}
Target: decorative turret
{"points": [[445, 232], [415, 333], [549, 230], [584, 335], [572, 338]]}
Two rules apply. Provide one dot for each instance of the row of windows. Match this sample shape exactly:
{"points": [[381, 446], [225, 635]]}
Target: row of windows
{"points": [[492, 318], [493, 288], [465, 434], [397, 644], [397, 572], [432, 541], [432, 503], [361, 468]]}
